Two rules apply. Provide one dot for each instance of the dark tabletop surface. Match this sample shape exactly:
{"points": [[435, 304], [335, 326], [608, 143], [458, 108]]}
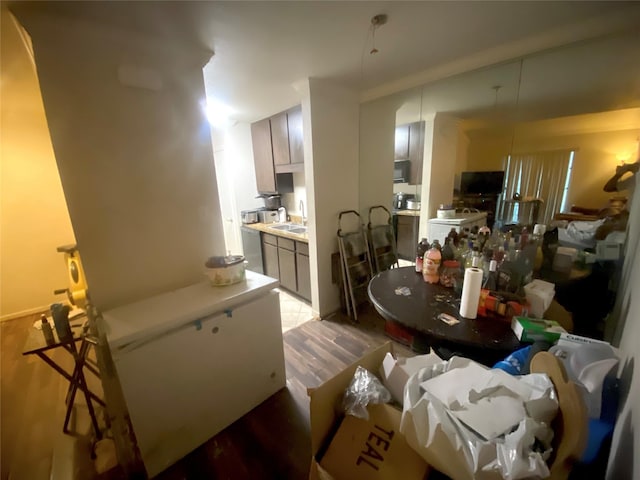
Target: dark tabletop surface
{"points": [[36, 343], [419, 311]]}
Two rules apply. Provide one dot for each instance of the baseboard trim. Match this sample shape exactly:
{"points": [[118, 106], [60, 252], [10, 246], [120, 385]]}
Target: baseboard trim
{"points": [[24, 313]]}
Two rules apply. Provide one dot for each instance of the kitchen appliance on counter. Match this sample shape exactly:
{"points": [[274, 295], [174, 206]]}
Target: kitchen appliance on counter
{"points": [[400, 200], [413, 205], [268, 216], [250, 216], [271, 202]]}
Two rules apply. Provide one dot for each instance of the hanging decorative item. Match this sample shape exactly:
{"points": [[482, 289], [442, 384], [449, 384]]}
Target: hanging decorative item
{"points": [[376, 22]]}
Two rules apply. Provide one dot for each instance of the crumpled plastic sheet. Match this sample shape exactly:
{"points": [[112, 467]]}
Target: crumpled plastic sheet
{"points": [[437, 434], [583, 230], [365, 388]]}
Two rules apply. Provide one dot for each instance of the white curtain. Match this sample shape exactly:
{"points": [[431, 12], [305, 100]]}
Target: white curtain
{"points": [[540, 175]]}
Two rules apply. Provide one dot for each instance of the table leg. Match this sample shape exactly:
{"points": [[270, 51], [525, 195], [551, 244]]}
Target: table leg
{"points": [[77, 367], [81, 383]]}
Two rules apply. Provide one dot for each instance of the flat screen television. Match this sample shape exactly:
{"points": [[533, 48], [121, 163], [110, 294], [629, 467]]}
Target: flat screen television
{"points": [[481, 183]]}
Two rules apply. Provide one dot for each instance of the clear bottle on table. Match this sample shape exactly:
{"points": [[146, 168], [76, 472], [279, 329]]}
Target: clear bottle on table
{"points": [[524, 238], [498, 255], [447, 251], [47, 331], [476, 259], [454, 236], [450, 273], [422, 248], [538, 238], [491, 282]]}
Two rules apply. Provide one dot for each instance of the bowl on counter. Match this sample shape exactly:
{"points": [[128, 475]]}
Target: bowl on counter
{"points": [[446, 213], [227, 270], [413, 205]]}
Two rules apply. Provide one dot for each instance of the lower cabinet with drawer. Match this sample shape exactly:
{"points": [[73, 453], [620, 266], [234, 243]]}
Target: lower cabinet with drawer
{"points": [[303, 270], [288, 261], [270, 255]]}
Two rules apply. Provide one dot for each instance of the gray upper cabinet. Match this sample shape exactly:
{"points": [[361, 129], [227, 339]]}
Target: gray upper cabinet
{"points": [[296, 140], [416, 152], [278, 150], [263, 156], [409, 145], [402, 142], [280, 139]]}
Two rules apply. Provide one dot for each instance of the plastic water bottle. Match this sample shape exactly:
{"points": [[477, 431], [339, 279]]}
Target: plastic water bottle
{"points": [[516, 362]]}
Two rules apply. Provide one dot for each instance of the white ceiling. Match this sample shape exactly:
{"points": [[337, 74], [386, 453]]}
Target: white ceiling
{"points": [[263, 48]]}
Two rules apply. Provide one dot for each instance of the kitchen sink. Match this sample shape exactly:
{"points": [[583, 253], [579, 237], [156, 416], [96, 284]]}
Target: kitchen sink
{"points": [[290, 227]]}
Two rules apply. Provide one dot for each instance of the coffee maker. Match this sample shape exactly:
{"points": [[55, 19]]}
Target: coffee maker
{"points": [[400, 200]]}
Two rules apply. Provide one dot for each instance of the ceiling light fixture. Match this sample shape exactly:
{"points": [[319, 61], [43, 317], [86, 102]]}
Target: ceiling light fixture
{"points": [[376, 22], [217, 113]]}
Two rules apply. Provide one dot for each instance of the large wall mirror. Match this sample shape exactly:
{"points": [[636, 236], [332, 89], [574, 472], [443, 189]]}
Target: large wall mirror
{"points": [[557, 124]]}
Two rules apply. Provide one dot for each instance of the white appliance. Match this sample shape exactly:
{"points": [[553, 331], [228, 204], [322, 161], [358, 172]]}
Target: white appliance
{"points": [[268, 216], [439, 228], [194, 360]]}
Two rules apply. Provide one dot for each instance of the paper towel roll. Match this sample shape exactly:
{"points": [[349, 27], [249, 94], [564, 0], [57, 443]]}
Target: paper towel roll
{"points": [[471, 292]]}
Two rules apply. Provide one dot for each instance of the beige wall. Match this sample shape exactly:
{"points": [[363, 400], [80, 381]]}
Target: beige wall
{"points": [[597, 152], [440, 163], [331, 172], [134, 154], [377, 130], [33, 213]]}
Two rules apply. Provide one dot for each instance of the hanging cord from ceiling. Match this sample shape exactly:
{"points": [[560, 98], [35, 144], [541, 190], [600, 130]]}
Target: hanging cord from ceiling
{"points": [[513, 135], [375, 23], [496, 88]]}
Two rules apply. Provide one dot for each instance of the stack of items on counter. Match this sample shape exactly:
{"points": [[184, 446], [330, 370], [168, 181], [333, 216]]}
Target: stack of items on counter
{"points": [[505, 262], [423, 413]]}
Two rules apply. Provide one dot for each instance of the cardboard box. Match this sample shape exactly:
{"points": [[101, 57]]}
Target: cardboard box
{"points": [[532, 329], [571, 337], [372, 450], [607, 250], [539, 295], [325, 416]]}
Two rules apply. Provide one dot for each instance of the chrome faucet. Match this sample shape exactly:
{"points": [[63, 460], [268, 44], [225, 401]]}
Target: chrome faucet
{"points": [[304, 219]]}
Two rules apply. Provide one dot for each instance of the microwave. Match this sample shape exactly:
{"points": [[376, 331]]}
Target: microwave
{"points": [[401, 171]]}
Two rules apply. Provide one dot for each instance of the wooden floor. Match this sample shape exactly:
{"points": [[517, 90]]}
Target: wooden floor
{"points": [[270, 442]]}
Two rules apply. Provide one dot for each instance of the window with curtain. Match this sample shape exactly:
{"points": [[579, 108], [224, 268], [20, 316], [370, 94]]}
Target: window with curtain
{"points": [[543, 176]]}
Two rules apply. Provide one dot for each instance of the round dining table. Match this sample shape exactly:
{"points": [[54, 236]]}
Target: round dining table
{"points": [[411, 308]]}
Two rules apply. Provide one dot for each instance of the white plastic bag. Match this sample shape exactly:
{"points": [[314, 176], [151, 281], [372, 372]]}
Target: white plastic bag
{"points": [[443, 401]]}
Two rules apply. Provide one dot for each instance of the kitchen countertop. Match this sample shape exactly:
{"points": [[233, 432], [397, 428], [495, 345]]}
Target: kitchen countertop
{"points": [[267, 228], [460, 218], [407, 213]]}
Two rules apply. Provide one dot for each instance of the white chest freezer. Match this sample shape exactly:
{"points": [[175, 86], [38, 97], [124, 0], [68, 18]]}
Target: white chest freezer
{"points": [[439, 228]]}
